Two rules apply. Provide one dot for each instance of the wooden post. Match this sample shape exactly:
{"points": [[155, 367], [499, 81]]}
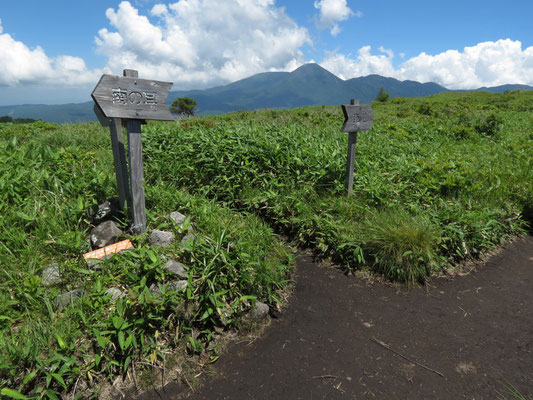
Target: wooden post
{"points": [[350, 161], [119, 155], [119, 159], [356, 118], [135, 151]]}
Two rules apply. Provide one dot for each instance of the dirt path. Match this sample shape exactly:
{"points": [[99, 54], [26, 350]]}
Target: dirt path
{"points": [[338, 337]]}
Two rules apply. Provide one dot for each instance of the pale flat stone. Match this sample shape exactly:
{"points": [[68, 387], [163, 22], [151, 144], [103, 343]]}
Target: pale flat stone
{"points": [[161, 238], [51, 275]]}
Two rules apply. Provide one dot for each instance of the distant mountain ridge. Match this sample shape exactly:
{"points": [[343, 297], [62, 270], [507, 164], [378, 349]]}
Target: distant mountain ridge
{"points": [[308, 85], [59, 113]]}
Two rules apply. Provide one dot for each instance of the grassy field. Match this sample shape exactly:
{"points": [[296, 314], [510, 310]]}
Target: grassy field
{"points": [[54, 176], [438, 180]]}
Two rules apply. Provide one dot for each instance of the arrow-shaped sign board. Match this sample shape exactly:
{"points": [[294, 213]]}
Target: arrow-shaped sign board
{"points": [[132, 98], [357, 118]]}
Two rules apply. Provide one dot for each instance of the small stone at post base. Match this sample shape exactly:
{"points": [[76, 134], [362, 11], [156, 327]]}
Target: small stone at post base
{"points": [[161, 238], [105, 234]]}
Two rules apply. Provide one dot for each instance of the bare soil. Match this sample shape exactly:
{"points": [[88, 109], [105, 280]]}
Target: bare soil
{"points": [[344, 337]]}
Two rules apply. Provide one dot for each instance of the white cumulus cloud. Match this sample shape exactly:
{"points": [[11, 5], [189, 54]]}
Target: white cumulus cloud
{"points": [[365, 63], [200, 43], [331, 12], [21, 65], [485, 64]]}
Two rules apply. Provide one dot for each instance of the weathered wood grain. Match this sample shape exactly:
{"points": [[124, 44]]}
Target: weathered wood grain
{"points": [[104, 121], [132, 73], [135, 151], [120, 162], [357, 118], [132, 98], [350, 161]]}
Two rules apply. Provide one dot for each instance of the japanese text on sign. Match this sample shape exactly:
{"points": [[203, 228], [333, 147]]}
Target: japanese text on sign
{"points": [[123, 97]]}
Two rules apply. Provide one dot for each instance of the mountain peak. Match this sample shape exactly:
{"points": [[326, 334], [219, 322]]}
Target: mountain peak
{"points": [[310, 68], [314, 73]]}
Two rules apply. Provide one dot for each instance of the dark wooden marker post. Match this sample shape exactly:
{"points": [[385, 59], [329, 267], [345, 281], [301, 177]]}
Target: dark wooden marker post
{"points": [[119, 155], [134, 100], [356, 118]]}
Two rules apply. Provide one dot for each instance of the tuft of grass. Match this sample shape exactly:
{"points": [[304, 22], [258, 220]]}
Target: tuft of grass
{"points": [[510, 392], [401, 246]]}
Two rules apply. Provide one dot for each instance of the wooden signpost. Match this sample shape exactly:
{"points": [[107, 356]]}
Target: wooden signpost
{"points": [[356, 118], [134, 100]]}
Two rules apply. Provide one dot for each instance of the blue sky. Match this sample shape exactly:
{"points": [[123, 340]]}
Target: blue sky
{"points": [[54, 51]]}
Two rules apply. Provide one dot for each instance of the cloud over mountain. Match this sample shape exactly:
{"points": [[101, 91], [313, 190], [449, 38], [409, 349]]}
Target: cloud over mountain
{"points": [[197, 43], [485, 64]]}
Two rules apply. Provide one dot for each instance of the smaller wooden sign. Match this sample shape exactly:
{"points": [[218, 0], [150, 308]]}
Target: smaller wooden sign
{"points": [[106, 252], [357, 118]]}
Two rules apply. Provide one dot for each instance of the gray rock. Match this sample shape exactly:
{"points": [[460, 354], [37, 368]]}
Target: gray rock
{"points": [[176, 268], [177, 217], [161, 238], [190, 237], [64, 299], [105, 234], [172, 285], [259, 312], [177, 285], [105, 210], [51, 275], [114, 293]]}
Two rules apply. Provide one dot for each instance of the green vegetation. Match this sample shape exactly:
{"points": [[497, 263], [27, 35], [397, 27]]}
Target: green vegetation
{"points": [[53, 176], [438, 180], [382, 96], [183, 105]]}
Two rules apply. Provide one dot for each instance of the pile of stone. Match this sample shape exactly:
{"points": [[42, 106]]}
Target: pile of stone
{"points": [[106, 233]]}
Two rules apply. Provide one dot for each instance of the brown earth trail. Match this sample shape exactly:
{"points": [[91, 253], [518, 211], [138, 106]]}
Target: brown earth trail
{"points": [[342, 337]]}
